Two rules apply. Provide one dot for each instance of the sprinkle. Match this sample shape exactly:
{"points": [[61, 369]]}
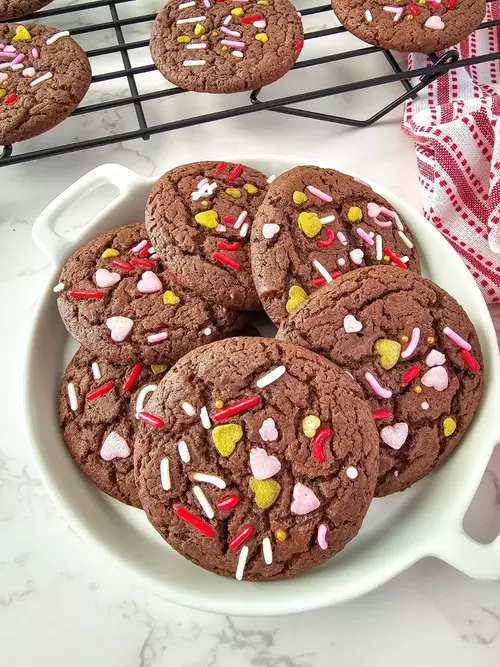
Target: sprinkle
{"points": [[377, 388], [73, 400], [233, 33], [341, 261], [405, 259], [342, 238], [227, 20], [378, 247], [205, 419], [103, 389], [203, 500], [413, 9], [209, 479], [244, 230], [299, 45], [184, 451], [326, 243], [242, 560], [366, 238], [191, 19], [16, 67], [229, 220], [150, 419], [415, 338], [410, 374], [368, 16], [96, 371], [85, 294], [267, 551], [328, 278], [235, 173], [242, 535], [417, 389], [185, 5], [319, 193], [224, 245], [158, 368], [238, 54], [132, 377], [138, 261], [351, 472], [451, 4], [219, 404], [233, 264], [58, 35], [207, 331], [206, 3], [322, 543], [192, 520], [18, 59], [398, 222], [165, 474], [452, 335], [381, 414], [318, 441], [235, 407], [251, 19], [240, 219], [34, 53], [58, 288], [271, 179], [404, 339], [424, 405], [327, 219], [201, 45], [281, 535], [139, 405], [394, 258], [188, 409], [469, 360], [120, 263], [220, 167], [193, 63], [271, 377], [44, 77], [321, 281], [157, 338], [227, 502]]}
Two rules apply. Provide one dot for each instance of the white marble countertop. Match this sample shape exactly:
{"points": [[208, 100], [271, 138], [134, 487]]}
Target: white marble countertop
{"points": [[60, 602]]}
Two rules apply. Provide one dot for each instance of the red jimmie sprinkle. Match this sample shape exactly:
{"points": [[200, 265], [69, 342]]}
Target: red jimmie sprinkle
{"points": [[150, 419], [451, 4], [469, 360], [229, 220], [120, 263], [235, 407], [330, 237], [132, 377], [221, 165], [11, 98], [413, 9], [141, 262], [394, 258], [240, 536], [85, 293], [410, 374], [226, 260], [299, 45], [381, 414], [227, 502], [235, 173], [193, 520], [145, 250], [318, 441], [434, 5], [103, 389], [321, 281], [224, 245], [250, 19]]}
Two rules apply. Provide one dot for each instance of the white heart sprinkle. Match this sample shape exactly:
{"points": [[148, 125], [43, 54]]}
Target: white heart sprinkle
{"points": [[120, 327], [115, 447], [269, 230], [351, 324], [357, 255], [105, 278]]}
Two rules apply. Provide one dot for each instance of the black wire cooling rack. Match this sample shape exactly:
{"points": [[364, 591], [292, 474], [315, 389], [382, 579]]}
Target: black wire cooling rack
{"points": [[412, 82]]}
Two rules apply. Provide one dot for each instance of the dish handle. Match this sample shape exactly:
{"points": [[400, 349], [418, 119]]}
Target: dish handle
{"points": [[44, 233]]}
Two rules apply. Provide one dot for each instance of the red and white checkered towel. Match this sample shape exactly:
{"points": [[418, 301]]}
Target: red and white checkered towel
{"points": [[454, 124]]}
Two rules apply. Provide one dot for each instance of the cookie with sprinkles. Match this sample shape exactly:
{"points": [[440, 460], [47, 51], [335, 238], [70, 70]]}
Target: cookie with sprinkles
{"points": [[98, 407], [117, 298], [198, 217], [226, 46], [316, 224], [421, 26], [264, 462], [415, 354], [44, 75], [13, 9]]}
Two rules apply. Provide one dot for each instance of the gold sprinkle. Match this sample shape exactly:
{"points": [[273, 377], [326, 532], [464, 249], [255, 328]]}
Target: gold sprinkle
{"points": [[281, 535], [430, 340], [404, 339], [204, 204], [225, 48], [417, 389], [183, 39], [421, 2], [203, 38], [219, 404], [386, 258], [215, 33], [409, 17]]}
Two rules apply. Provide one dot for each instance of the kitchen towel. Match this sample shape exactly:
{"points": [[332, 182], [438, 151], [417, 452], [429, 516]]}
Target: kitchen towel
{"points": [[454, 125]]}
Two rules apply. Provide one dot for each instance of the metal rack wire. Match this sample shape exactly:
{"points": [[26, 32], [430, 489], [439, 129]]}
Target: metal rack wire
{"points": [[422, 77]]}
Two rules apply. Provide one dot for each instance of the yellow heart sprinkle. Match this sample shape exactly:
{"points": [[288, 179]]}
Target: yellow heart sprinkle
{"points": [[309, 223], [207, 219], [299, 197], [251, 189], [3, 92], [22, 35], [170, 299], [296, 295], [233, 192], [237, 12], [354, 214], [388, 351], [449, 426], [158, 368], [225, 438], [266, 491], [183, 39], [310, 424], [261, 37], [199, 30], [110, 252]]}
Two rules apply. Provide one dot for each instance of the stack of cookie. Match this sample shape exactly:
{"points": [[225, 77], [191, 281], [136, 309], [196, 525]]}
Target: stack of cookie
{"points": [[259, 457]]}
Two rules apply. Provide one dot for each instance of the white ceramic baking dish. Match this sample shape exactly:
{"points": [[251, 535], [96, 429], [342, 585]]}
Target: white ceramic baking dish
{"points": [[399, 530]]}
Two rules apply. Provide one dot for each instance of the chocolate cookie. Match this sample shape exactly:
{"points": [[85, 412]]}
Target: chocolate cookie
{"points": [[116, 298], [44, 75], [422, 26], [415, 354], [198, 218], [258, 459], [13, 9], [316, 224], [226, 47], [97, 411]]}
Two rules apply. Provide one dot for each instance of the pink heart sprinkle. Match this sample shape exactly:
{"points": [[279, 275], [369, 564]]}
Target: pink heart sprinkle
{"points": [[351, 324], [114, 447], [434, 23], [268, 431], [120, 327], [435, 358], [305, 500], [263, 465], [105, 278], [29, 72], [436, 378], [269, 230], [373, 210], [395, 436], [149, 283]]}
